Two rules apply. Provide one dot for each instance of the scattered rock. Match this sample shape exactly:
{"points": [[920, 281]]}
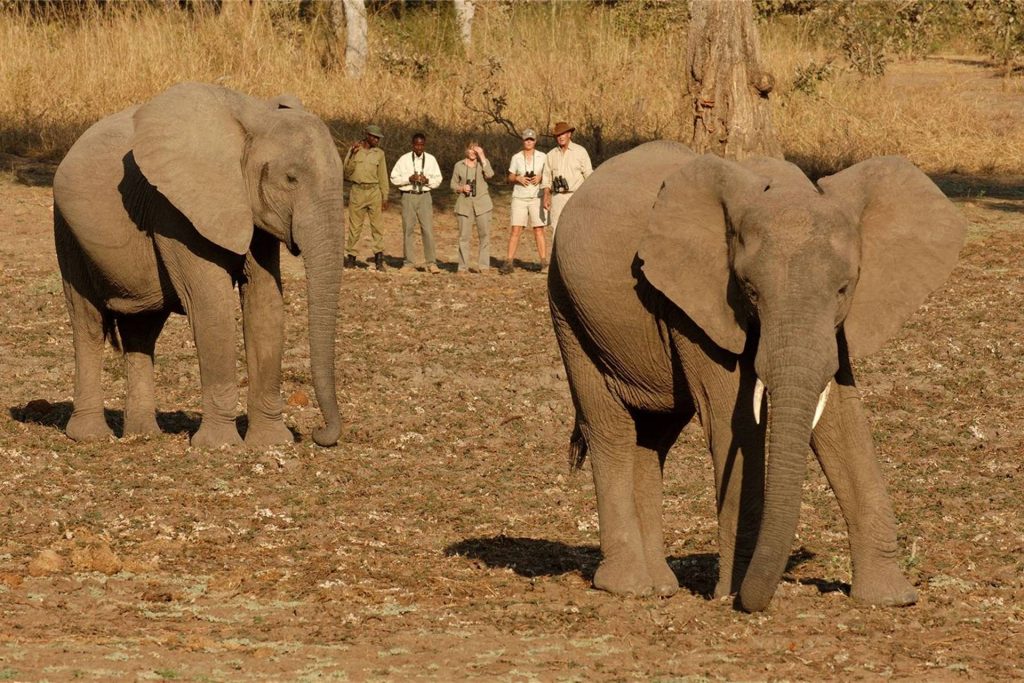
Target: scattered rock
{"points": [[299, 398], [95, 556], [10, 579], [46, 562]]}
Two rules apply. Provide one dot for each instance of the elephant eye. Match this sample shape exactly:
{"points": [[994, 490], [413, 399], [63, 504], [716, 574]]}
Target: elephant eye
{"points": [[844, 289], [292, 180]]}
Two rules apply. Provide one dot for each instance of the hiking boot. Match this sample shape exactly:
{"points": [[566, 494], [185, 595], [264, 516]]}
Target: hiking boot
{"points": [[378, 260], [506, 267], [350, 261], [433, 269]]}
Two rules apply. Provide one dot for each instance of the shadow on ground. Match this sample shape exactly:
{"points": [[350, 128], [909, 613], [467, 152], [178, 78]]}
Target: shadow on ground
{"points": [[534, 557], [56, 415]]}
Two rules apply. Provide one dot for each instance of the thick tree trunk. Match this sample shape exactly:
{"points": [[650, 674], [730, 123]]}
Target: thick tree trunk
{"points": [[464, 10], [728, 84], [355, 37]]}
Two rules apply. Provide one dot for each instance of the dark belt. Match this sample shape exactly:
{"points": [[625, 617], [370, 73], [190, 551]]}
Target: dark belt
{"points": [[415, 192], [366, 184]]}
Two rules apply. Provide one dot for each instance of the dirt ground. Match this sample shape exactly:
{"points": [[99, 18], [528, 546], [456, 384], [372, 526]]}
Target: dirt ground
{"points": [[445, 538]]}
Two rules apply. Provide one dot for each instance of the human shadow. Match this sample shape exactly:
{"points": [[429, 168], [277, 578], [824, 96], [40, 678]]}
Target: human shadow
{"points": [[534, 557]]}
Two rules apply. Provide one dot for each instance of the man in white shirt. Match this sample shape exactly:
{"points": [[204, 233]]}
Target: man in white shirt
{"points": [[416, 173], [527, 172], [569, 165]]}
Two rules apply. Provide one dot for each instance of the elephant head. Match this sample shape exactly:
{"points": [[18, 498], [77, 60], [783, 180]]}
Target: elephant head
{"points": [[810, 276], [231, 163]]}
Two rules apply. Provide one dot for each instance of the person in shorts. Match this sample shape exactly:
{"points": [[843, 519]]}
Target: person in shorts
{"points": [[527, 172]]}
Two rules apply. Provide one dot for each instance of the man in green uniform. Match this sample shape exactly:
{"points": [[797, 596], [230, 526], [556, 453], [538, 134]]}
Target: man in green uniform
{"points": [[366, 169]]}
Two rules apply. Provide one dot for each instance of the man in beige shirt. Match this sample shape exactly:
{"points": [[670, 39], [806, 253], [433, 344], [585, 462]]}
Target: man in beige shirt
{"points": [[569, 165]]}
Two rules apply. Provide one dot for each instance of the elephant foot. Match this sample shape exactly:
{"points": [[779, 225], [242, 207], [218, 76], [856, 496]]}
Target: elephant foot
{"points": [[268, 433], [884, 586], [663, 578], [623, 578], [88, 427], [143, 424], [216, 435]]}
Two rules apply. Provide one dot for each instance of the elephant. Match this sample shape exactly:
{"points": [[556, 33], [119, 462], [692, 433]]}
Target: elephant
{"points": [[688, 285], [165, 207]]}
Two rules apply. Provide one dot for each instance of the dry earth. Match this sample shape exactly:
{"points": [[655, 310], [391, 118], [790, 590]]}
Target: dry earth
{"points": [[445, 537]]}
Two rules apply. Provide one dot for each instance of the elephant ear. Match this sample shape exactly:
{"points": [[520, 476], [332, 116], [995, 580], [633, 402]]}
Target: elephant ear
{"points": [[685, 252], [286, 101], [188, 143], [911, 236]]}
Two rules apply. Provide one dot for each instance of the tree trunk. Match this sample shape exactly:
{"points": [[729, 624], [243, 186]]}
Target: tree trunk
{"points": [[728, 83], [464, 13], [355, 37]]}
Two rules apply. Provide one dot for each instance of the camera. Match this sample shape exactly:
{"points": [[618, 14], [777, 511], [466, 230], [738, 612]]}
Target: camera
{"points": [[559, 185]]}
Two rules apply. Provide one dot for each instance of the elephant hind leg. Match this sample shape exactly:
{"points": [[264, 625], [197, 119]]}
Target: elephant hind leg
{"points": [[656, 433], [138, 339], [90, 326]]}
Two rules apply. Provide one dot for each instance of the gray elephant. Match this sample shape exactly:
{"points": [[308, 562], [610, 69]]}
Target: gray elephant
{"points": [[163, 208], [687, 285]]}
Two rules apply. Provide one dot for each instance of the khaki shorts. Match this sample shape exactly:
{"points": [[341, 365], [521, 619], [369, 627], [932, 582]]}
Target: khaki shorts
{"points": [[524, 210]]}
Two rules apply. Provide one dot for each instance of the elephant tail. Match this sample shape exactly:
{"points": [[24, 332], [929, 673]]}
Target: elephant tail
{"points": [[577, 448]]}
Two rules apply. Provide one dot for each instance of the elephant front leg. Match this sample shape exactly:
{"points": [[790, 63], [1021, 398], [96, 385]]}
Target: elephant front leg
{"points": [[201, 277], [263, 327], [843, 445], [736, 443]]}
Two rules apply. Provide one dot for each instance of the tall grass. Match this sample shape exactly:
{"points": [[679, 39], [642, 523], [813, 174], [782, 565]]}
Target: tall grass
{"points": [[612, 71]]}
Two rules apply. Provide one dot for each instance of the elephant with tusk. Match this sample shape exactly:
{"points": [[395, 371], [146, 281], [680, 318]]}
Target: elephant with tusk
{"points": [[166, 207], [685, 285]]}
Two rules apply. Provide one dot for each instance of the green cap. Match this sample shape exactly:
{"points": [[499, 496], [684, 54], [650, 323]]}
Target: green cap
{"points": [[375, 131]]}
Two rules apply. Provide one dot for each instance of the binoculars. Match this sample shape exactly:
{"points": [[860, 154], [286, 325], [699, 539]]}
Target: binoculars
{"points": [[472, 188], [418, 182], [559, 185]]}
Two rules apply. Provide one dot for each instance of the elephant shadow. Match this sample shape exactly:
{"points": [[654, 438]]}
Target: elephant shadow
{"points": [[56, 415], [533, 557]]}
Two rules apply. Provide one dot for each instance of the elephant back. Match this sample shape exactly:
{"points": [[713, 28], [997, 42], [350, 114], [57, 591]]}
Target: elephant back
{"points": [[596, 271], [604, 221], [89, 180]]}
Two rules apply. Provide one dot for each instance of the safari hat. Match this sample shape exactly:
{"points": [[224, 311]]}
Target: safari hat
{"points": [[375, 131], [562, 127], [529, 134]]}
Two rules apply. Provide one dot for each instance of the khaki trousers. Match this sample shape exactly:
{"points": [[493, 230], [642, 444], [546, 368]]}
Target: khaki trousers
{"points": [[364, 205]]}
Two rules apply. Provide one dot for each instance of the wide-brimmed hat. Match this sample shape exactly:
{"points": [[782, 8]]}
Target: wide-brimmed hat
{"points": [[529, 134], [562, 127], [375, 131]]}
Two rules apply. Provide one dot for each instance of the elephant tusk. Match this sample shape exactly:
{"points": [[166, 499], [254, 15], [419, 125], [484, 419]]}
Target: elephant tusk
{"points": [[758, 400], [822, 400]]}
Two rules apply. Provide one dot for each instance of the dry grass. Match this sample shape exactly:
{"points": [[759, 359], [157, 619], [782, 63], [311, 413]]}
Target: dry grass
{"points": [[613, 68]]}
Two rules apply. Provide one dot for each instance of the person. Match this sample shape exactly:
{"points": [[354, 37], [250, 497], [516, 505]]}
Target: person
{"points": [[569, 165], [416, 173], [473, 205], [528, 172], [366, 168]]}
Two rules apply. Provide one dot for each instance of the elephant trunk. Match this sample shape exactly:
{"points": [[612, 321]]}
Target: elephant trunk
{"points": [[321, 247], [795, 386]]}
